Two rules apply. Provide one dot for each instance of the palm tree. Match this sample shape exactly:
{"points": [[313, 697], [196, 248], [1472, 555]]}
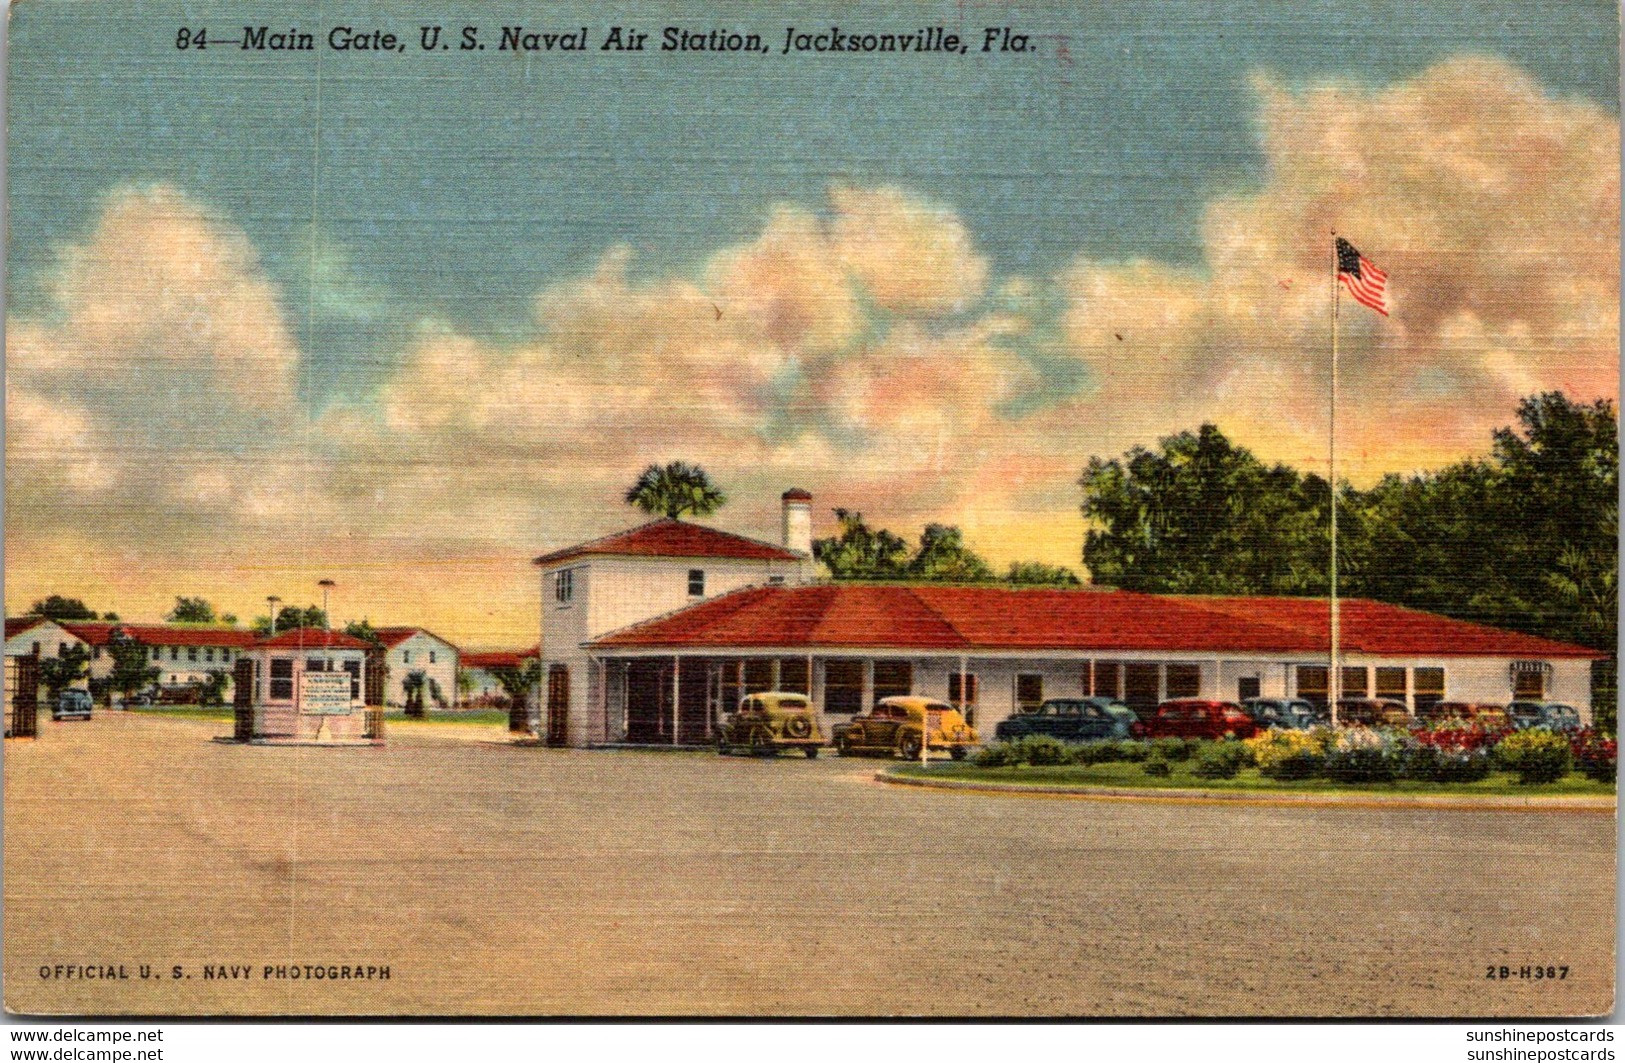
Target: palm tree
{"points": [[675, 489]]}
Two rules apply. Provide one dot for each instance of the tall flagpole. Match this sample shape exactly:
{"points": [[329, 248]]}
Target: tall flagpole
{"points": [[1334, 684]]}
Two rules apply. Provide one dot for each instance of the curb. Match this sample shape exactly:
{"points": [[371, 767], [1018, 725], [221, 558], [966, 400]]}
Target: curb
{"points": [[1583, 805]]}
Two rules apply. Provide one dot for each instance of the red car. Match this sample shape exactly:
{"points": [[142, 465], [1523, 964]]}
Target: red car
{"points": [[1195, 718]]}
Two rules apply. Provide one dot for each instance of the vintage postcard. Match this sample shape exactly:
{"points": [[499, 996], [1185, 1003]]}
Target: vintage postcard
{"points": [[954, 509]]}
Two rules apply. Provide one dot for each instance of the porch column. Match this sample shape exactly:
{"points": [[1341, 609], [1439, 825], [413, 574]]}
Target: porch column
{"points": [[603, 694], [964, 695], [1089, 687], [676, 704], [868, 684]]}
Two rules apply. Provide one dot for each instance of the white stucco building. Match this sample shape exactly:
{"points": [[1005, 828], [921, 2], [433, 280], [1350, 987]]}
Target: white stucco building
{"points": [[414, 649], [649, 635]]}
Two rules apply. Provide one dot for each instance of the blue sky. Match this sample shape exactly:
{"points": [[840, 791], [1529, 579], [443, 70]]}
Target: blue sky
{"points": [[457, 187]]}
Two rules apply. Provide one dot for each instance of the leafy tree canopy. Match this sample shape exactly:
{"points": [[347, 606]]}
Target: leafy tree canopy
{"points": [[59, 608], [290, 617], [675, 489], [191, 611], [862, 552]]}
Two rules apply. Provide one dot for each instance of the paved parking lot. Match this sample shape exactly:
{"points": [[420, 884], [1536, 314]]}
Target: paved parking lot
{"points": [[498, 880]]}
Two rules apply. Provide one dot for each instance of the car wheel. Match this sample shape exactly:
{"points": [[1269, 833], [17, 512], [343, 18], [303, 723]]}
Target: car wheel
{"points": [[843, 746], [761, 745], [811, 751], [957, 752], [723, 749], [908, 746]]}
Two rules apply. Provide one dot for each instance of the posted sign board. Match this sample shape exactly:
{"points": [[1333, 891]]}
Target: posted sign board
{"points": [[325, 693]]}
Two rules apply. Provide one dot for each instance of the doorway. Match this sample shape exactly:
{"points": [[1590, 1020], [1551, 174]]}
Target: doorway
{"points": [[558, 705]]}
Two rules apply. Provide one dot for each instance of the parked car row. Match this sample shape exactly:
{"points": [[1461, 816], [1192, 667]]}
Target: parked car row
{"points": [[769, 723]]}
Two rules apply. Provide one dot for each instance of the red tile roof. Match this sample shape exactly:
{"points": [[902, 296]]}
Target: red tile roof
{"points": [[1002, 619], [16, 625], [668, 537], [98, 633], [394, 636], [494, 658], [312, 638]]}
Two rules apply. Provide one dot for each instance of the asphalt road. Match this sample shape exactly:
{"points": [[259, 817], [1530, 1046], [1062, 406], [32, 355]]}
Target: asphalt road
{"points": [[497, 880]]}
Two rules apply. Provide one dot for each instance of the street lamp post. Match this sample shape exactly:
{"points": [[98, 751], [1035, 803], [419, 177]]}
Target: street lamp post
{"points": [[327, 625]]}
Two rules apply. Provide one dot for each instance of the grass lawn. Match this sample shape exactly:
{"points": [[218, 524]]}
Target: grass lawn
{"points": [[185, 712], [478, 716], [1121, 773]]}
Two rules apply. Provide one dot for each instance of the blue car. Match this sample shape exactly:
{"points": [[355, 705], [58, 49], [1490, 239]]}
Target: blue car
{"points": [[1071, 720], [1548, 714], [1287, 713]]}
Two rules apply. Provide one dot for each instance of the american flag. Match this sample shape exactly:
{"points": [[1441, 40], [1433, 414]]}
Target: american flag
{"points": [[1367, 283]]}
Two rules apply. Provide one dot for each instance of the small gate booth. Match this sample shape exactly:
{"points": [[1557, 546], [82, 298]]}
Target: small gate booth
{"points": [[306, 687]]}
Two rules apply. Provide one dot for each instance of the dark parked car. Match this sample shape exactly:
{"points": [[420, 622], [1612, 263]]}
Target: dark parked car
{"points": [[72, 704], [1072, 720], [1468, 714], [1372, 712], [1196, 718], [1289, 713], [1548, 714]]}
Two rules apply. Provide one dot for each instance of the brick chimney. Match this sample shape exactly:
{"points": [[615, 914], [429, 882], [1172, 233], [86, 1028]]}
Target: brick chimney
{"points": [[798, 521]]}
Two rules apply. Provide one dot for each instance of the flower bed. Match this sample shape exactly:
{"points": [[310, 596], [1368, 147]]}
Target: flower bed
{"points": [[1448, 758]]}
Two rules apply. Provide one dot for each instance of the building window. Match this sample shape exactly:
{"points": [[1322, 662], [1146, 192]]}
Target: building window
{"points": [[696, 583], [564, 585], [1029, 692], [1428, 684], [36, 649], [191, 653], [1312, 683], [281, 679], [1355, 680], [174, 653], [774, 581], [893, 679], [1391, 683], [795, 674], [62, 649], [1529, 680], [843, 686], [1184, 680], [758, 674], [963, 700], [95, 653], [225, 655], [208, 654], [431, 656], [354, 668], [406, 656], [157, 652], [1104, 678], [1141, 687]]}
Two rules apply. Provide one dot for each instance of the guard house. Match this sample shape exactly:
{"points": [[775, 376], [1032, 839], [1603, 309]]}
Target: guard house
{"points": [[306, 687]]}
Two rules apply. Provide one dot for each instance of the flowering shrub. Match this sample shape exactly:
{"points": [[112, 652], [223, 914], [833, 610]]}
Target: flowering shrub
{"points": [[1456, 737], [1595, 754], [1171, 748], [1449, 751], [1363, 754], [1286, 754], [1221, 760], [1537, 755], [1038, 750]]}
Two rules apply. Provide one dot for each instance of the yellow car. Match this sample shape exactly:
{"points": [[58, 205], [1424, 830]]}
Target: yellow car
{"points": [[769, 722], [895, 726]]}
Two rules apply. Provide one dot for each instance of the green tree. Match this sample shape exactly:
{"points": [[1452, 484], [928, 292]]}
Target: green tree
{"points": [[214, 687], [1038, 574], [191, 611], [944, 557], [62, 671], [362, 629], [1200, 515], [291, 617], [109, 616], [861, 552], [518, 682], [57, 607], [412, 688], [675, 489], [132, 667]]}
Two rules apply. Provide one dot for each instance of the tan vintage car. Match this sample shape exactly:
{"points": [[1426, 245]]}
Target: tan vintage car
{"points": [[895, 726], [769, 722]]}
